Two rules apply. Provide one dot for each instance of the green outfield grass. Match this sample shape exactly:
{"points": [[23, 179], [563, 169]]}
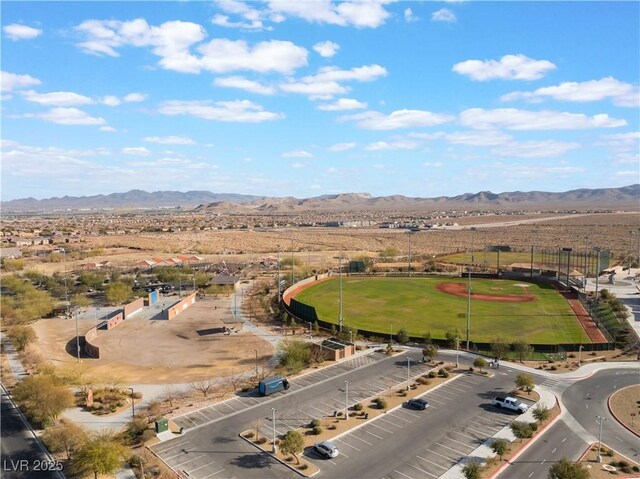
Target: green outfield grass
{"points": [[374, 304]]}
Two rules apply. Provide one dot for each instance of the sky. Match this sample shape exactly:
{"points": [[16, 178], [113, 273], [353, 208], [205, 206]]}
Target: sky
{"points": [[305, 98]]}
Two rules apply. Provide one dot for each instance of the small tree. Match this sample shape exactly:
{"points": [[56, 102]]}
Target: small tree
{"points": [[565, 469], [541, 413], [21, 336], [427, 337], [293, 443], [500, 447], [118, 293], [500, 347], [381, 403], [453, 336], [403, 336], [66, 436], [522, 349], [429, 351], [102, 454], [41, 398], [526, 382], [472, 469], [205, 386], [316, 328], [480, 363]]}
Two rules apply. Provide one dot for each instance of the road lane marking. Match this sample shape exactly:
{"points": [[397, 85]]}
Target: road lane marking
{"points": [[554, 450], [211, 475], [564, 439]]}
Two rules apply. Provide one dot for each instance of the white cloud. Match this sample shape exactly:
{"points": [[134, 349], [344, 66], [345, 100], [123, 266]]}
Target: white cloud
{"points": [[341, 146], [11, 81], [621, 93], [136, 151], [169, 140], [67, 116], [16, 32], [57, 98], [534, 149], [134, 98], [242, 111], [223, 21], [172, 42], [343, 104], [252, 16], [221, 55], [297, 154], [436, 164], [356, 13], [107, 128], [298, 164], [373, 120], [631, 174], [443, 15], [563, 169], [514, 119], [510, 67], [244, 84], [409, 17], [326, 49], [394, 145], [326, 83], [110, 100], [478, 138]]}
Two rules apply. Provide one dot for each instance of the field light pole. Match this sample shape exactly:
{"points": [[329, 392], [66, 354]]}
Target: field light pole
{"points": [[473, 233], [568, 251], [600, 420], [340, 258], [278, 274], [597, 250], [292, 276], [133, 407], [410, 233], [346, 401], [273, 412]]}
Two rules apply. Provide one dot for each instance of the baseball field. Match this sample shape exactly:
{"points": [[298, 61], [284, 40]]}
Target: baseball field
{"points": [[511, 309]]}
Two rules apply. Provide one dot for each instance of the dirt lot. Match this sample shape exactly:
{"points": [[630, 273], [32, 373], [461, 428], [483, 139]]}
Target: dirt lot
{"points": [[625, 405], [191, 347]]}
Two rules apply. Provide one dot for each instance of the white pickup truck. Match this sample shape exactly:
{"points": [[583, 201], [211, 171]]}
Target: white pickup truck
{"points": [[510, 403]]}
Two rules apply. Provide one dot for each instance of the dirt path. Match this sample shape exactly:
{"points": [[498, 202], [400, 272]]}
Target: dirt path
{"points": [[460, 290], [590, 328]]}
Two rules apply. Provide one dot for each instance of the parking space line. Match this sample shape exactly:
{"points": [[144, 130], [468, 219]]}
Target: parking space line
{"points": [[410, 413], [380, 427], [402, 474], [180, 464], [442, 455], [440, 392], [360, 439], [422, 470], [461, 443], [211, 475], [389, 422], [436, 401], [395, 416], [465, 435], [347, 444], [482, 433], [451, 386], [454, 450], [197, 468], [433, 463], [374, 435], [174, 445], [317, 409]]}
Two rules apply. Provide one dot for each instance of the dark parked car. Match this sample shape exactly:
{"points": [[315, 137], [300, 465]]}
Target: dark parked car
{"points": [[420, 404]]}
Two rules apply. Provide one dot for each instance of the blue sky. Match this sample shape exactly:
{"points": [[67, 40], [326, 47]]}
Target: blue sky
{"points": [[290, 98]]}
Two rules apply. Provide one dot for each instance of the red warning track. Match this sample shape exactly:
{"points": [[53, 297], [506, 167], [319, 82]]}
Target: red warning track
{"points": [[589, 326], [460, 289]]}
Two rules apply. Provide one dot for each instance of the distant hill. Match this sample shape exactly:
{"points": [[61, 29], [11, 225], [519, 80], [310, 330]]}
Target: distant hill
{"points": [[205, 201]]}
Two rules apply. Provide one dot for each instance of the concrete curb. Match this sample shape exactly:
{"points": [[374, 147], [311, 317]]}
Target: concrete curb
{"points": [[530, 443], [280, 460], [614, 414]]}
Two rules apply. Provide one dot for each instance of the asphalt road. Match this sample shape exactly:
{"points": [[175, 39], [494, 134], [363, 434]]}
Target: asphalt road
{"points": [[22, 455], [571, 435], [458, 421]]}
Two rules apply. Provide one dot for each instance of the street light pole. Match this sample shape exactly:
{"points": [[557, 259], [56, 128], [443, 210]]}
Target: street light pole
{"points": [[256, 351], [133, 407], [580, 355], [77, 337], [408, 371], [457, 351], [292, 276], [473, 232], [274, 411], [346, 401], [600, 420], [340, 276]]}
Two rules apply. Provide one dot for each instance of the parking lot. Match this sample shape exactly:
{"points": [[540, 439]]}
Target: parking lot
{"points": [[401, 444]]}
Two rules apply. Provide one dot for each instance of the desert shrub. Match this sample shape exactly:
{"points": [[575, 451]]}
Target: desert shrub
{"points": [[357, 407], [432, 374], [424, 381], [249, 435], [303, 467], [315, 423], [331, 427], [381, 403], [262, 440], [317, 430]]}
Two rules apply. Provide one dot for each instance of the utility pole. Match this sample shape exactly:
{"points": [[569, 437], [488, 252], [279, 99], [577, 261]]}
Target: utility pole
{"points": [[473, 232]]}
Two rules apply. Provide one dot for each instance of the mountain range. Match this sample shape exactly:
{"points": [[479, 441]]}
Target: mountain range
{"points": [[205, 201]]}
